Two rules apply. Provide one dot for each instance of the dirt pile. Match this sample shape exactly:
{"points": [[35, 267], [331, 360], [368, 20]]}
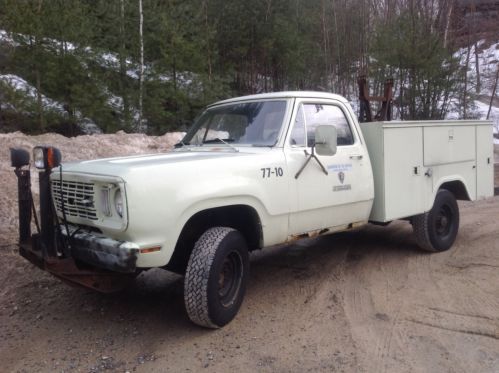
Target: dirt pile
{"points": [[73, 149]]}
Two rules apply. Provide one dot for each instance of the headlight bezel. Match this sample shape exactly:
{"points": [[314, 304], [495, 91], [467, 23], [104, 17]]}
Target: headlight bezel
{"points": [[111, 201]]}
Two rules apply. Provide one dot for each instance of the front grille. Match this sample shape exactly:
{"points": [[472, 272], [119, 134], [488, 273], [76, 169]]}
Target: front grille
{"points": [[79, 199]]}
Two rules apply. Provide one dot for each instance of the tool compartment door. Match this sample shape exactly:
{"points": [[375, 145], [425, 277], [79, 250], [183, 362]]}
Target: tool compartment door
{"points": [[406, 187], [448, 144], [450, 152], [484, 162]]}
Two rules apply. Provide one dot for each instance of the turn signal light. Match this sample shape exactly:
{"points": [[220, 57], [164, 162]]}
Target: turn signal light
{"points": [[148, 250]]}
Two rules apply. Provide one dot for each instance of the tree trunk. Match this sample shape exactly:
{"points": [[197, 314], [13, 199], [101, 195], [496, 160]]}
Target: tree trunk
{"points": [[337, 46], [493, 92], [41, 119], [447, 24], [401, 94], [141, 72], [208, 36], [325, 44], [465, 92], [122, 61], [477, 65]]}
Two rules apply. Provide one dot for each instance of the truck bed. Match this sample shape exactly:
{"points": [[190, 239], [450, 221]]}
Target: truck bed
{"points": [[412, 160]]}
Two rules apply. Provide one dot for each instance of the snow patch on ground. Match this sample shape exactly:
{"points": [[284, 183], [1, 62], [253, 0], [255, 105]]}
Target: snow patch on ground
{"points": [[488, 58], [31, 93], [6, 37], [19, 84], [111, 61], [108, 60], [482, 110]]}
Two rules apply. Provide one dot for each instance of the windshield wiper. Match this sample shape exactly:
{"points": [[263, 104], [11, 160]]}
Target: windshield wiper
{"points": [[226, 142], [265, 145], [218, 139], [181, 144]]}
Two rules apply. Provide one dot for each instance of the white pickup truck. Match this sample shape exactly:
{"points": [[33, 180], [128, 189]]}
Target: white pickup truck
{"points": [[252, 172]]}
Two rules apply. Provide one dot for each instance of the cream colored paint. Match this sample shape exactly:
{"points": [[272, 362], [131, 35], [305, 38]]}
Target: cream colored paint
{"points": [[164, 191]]}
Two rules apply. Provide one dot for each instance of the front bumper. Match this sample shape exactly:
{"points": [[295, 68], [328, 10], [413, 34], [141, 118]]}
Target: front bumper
{"points": [[101, 251], [95, 262]]}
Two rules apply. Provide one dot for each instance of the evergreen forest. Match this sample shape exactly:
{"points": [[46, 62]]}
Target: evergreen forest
{"points": [[151, 65]]}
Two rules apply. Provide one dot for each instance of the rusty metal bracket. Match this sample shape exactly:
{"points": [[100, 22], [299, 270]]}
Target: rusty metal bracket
{"points": [[69, 271], [99, 280], [385, 111]]}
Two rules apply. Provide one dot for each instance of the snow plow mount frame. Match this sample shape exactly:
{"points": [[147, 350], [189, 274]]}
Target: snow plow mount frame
{"points": [[71, 272], [46, 249]]}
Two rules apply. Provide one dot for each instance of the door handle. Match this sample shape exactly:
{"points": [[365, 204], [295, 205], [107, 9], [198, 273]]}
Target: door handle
{"points": [[356, 156]]}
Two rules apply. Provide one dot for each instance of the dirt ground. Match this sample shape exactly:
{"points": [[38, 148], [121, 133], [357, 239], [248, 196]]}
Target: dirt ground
{"points": [[363, 301]]}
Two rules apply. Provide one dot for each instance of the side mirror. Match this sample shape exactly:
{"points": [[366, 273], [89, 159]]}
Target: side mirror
{"points": [[325, 140]]}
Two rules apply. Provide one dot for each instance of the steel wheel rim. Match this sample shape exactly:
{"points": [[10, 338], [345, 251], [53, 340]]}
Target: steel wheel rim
{"points": [[443, 221], [229, 278]]}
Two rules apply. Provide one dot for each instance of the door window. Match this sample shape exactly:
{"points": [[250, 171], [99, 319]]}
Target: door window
{"points": [[299, 132], [309, 116]]}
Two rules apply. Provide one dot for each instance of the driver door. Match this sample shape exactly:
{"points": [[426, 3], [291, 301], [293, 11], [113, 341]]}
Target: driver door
{"points": [[345, 194]]}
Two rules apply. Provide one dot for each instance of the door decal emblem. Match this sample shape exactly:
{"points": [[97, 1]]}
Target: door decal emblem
{"points": [[341, 176]]}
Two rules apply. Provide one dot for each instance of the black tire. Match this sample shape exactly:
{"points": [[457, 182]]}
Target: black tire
{"points": [[216, 277], [436, 230]]}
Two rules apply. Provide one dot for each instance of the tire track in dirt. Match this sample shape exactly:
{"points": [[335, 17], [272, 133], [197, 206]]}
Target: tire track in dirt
{"points": [[456, 313], [425, 303], [374, 311]]}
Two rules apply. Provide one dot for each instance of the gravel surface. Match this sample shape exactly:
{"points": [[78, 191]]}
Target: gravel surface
{"points": [[362, 301]]}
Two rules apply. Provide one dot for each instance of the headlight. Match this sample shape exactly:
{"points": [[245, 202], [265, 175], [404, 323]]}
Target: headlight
{"points": [[118, 203]]}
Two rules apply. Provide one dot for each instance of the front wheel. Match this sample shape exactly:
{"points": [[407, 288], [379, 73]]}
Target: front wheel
{"points": [[436, 230], [216, 277]]}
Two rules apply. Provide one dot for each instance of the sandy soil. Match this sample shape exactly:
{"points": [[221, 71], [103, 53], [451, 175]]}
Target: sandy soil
{"points": [[363, 301]]}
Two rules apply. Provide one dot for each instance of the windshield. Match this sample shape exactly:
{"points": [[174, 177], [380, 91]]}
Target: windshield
{"points": [[249, 123]]}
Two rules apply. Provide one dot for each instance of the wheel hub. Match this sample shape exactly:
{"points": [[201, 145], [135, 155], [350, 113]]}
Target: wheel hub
{"points": [[229, 279], [443, 220]]}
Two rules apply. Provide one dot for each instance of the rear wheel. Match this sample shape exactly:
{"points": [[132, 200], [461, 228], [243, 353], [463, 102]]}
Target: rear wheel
{"points": [[216, 277], [436, 230]]}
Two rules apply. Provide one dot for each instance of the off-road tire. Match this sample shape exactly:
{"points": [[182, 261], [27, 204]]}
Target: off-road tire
{"points": [[220, 252], [436, 230]]}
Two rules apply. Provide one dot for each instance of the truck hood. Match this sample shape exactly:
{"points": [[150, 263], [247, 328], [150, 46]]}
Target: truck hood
{"points": [[121, 166]]}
